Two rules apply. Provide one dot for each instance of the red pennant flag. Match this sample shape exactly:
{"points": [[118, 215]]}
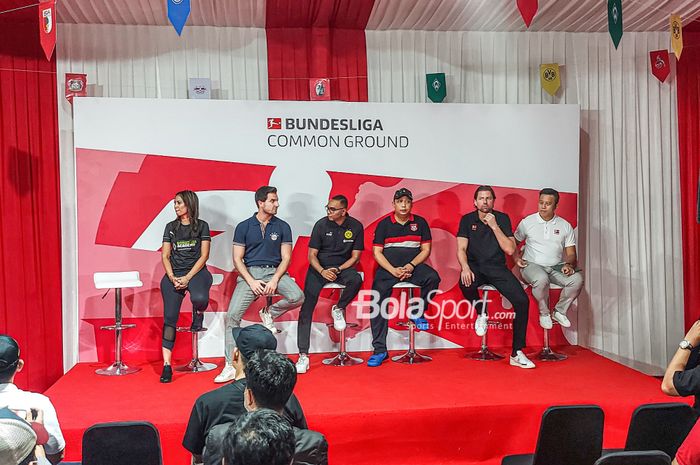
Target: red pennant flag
{"points": [[319, 89], [528, 10], [660, 64], [76, 86], [47, 27]]}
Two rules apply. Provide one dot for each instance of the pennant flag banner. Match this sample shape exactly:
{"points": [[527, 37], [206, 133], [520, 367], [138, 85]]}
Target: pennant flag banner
{"points": [[437, 88], [550, 78], [660, 64], [677, 35], [200, 88], [528, 10], [47, 27], [615, 20], [76, 86], [320, 89], [178, 11]]}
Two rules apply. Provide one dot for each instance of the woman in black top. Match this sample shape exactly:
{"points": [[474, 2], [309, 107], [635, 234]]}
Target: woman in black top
{"points": [[185, 252]]}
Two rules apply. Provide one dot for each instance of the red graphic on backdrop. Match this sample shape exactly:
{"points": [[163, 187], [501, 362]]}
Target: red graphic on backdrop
{"points": [[274, 123]]}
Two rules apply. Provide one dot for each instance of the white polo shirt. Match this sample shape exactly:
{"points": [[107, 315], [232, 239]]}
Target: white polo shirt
{"points": [[545, 240], [16, 399]]}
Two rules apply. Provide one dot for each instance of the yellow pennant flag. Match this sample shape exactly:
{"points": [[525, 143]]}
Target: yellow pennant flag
{"points": [[676, 35], [550, 78]]}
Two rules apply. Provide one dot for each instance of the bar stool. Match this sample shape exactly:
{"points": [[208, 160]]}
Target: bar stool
{"points": [[484, 354], [411, 356], [196, 365], [117, 281], [547, 354], [342, 358]]}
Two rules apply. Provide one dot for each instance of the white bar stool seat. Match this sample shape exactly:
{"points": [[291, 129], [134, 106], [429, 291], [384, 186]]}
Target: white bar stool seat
{"points": [[411, 356], [342, 358], [117, 280], [484, 354]]}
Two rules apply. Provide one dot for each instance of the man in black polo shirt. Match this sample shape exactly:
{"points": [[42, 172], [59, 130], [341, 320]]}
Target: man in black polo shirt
{"points": [[682, 377], [262, 250], [484, 237], [226, 404], [401, 246], [334, 248]]}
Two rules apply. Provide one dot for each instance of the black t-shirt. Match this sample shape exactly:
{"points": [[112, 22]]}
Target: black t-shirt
{"points": [[401, 242], [483, 248], [225, 405], [687, 382], [334, 242], [186, 245]]}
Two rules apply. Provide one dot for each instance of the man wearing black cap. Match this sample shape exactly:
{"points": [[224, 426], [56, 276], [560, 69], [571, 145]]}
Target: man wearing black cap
{"points": [[225, 404], [25, 403], [402, 243]]}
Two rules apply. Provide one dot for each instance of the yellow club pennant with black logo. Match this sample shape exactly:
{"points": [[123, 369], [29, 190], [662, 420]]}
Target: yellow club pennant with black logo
{"points": [[550, 78], [676, 35]]}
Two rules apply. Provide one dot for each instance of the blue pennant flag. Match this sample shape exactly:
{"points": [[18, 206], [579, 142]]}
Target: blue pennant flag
{"points": [[178, 11]]}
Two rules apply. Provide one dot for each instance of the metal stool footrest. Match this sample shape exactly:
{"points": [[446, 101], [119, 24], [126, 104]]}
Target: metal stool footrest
{"points": [[342, 358], [118, 327], [411, 356], [547, 354], [195, 365]]}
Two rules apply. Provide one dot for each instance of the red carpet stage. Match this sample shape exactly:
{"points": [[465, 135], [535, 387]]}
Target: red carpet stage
{"points": [[449, 411]]}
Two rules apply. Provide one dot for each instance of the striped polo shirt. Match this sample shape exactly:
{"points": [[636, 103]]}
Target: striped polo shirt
{"points": [[401, 242]]}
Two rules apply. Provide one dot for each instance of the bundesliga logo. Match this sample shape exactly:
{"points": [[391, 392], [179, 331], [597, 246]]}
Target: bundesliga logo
{"points": [[274, 123]]}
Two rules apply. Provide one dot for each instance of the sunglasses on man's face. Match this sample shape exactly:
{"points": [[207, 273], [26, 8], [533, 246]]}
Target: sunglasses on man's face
{"points": [[332, 209]]}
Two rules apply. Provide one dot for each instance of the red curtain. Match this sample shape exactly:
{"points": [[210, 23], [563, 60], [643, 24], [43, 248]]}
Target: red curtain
{"points": [[30, 256], [688, 81], [317, 39]]}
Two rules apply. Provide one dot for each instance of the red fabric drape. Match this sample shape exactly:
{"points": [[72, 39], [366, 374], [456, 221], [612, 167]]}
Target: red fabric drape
{"points": [[30, 257], [688, 81], [315, 39]]}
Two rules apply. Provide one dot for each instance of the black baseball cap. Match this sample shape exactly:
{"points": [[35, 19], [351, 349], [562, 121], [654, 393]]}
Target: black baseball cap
{"points": [[9, 353], [403, 192], [252, 338]]}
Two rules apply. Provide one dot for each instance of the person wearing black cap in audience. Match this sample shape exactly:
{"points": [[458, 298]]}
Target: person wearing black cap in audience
{"points": [[271, 380], [401, 246], [225, 404], [25, 403]]}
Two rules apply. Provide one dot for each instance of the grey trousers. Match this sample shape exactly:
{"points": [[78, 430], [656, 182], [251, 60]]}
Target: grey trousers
{"points": [[539, 277], [243, 296]]}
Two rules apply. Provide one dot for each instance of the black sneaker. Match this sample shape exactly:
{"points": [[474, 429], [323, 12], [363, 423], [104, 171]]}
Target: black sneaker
{"points": [[197, 322], [167, 374]]}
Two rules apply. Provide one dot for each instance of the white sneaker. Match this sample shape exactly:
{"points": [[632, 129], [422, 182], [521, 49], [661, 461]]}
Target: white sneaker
{"points": [[481, 324], [226, 375], [546, 321], [338, 318], [303, 363], [561, 319], [520, 360], [267, 321]]}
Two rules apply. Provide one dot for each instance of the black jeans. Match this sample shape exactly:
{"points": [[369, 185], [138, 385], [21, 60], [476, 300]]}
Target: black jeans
{"points": [[198, 288], [423, 276], [352, 281], [508, 285]]}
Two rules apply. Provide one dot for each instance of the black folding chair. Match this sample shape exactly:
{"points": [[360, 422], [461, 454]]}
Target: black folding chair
{"points": [[660, 427], [122, 443], [647, 457], [569, 435]]}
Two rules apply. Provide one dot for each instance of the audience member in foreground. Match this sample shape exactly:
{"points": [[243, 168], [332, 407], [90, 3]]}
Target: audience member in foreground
{"points": [[682, 377], [271, 378], [261, 437]]}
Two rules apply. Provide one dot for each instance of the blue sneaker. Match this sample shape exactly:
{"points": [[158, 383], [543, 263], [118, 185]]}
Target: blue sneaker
{"points": [[376, 359], [421, 323]]}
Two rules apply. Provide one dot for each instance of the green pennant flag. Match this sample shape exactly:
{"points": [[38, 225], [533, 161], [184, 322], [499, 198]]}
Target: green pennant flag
{"points": [[615, 20], [437, 89]]}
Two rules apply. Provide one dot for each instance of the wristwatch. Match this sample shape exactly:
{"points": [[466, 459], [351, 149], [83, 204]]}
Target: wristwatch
{"points": [[685, 344]]}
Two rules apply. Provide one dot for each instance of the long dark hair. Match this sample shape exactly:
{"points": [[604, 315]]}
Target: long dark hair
{"points": [[191, 201]]}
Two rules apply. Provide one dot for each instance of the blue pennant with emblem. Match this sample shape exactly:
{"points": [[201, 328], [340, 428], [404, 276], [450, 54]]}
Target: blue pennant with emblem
{"points": [[178, 11]]}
